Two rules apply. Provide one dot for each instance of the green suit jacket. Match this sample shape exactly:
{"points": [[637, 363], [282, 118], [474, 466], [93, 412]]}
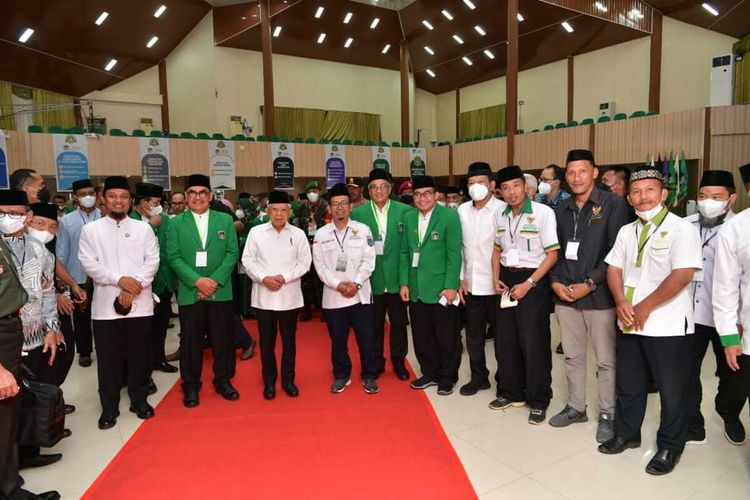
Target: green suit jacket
{"points": [[164, 279], [386, 274], [183, 243], [439, 255]]}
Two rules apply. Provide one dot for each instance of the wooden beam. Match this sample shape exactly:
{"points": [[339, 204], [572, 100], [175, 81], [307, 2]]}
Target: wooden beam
{"points": [[592, 139], [265, 34], [571, 80], [164, 96], [458, 114], [451, 175], [654, 77], [405, 93], [511, 80], [707, 141]]}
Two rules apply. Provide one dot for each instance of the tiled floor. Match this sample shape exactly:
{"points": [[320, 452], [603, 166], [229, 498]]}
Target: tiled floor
{"points": [[504, 456]]}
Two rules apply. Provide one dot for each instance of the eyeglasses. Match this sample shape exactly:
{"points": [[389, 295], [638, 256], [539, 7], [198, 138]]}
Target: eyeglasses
{"points": [[339, 204], [379, 187], [425, 194], [198, 194], [12, 215]]}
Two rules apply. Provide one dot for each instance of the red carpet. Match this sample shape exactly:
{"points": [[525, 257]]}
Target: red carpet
{"points": [[319, 445]]}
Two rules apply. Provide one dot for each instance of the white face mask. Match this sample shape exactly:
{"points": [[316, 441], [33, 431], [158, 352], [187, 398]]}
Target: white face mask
{"points": [[239, 213], [87, 201], [648, 215], [43, 236], [154, 211], [711, 208], [313, 197], [478, 192], [11, 226], [544, 188]]}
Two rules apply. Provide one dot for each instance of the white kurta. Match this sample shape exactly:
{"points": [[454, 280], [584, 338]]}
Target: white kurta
{"points": [[478, 233], [109, 250]]}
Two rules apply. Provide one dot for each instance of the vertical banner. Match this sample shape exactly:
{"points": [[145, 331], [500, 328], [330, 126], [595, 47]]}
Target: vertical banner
{"points": [[417, 161], [283, 165], [381, 157], [155, 161], [335, 165], [221, 164], [3, 162], [71, 159]]}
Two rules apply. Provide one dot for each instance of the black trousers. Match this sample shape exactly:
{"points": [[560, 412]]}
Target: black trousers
{"points": [[123, 346], [196, 320], [522, 344], [58, 372], [82, 325], [668, 359], [11, 340], [480, 309], [737, 391], [241, 335], [398, 342], [340, 320], [437, 341], [285, 323], [703, 336], [159, 324], [312, 288]]}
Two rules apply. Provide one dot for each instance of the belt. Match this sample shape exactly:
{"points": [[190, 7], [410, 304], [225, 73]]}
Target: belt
{"points": [[518, 269]]}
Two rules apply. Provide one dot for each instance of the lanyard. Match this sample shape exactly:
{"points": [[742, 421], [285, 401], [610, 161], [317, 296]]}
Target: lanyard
{"points": [[513, 232], [377, 218], [341, 242], [83, 219], [642, 246], [709, 239], [575, 225]]}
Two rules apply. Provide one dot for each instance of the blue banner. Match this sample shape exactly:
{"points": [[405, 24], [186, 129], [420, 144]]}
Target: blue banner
{"points": [[71, 160]]}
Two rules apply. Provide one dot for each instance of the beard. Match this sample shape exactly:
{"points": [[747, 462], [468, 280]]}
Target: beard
{"points": [[711, 221], [118, 216]]}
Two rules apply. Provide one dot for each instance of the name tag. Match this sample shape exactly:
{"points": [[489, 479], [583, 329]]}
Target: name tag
{"points": [[512, 258], [379, 247], [633, 277], [341, 262], [571, 250], [201, 259], [415, 260]]}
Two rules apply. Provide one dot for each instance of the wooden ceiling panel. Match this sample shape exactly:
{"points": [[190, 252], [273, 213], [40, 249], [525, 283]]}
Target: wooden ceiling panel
{"points": [[733, 19]]}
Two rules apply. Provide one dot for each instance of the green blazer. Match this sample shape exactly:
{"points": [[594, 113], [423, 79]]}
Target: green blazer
{"points": [[183, 243], [386, 275], [439, 255], [164, 279]]}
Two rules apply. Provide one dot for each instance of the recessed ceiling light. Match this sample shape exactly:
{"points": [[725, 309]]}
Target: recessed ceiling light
{"points": [[321, 37], [374, 23], [520, 18], [467, 61], [431, 73], [567, 27], [152, 42], [600, 6], [489, 54], [470, 4], [25, 35], [319, 12], [102, 17], [386, 48], [429, 50], [710, 8], [160, 10], [458, 39], [111, 64], [447, 15], [480, 30], [348, 17], [348, 42], [277, 31], [427, 25]]}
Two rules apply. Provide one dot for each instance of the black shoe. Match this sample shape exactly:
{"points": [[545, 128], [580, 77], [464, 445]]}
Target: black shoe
{"points": [[227, 391], [248, 353], [734, 432], [151, 387], [696, 437], [21, 494], [269, 392], [38, 461], [108, 420], [142, 410], [422, 383], [489, 335], [400, 370], [537, 416], [69, 409], [663, 462], [474, 386], [445, 389], [617, 445], [190, 399], [165, 367], [653, 387], [291, 390], [84, 360], [559, 349], [66, 433]]}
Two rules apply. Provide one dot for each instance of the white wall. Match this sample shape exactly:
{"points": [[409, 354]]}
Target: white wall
{"points": [[540, 90], [425, 116]]}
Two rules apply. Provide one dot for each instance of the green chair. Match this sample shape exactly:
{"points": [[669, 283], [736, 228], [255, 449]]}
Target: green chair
{"points": [[519, 131], [549, 127], [383, 144], [35, 129], [250, 139], [535, 130], [336, 141], [561, 125], [359, 143], [587, 121], [395, 144], [310, 140], [139, 133], [116, 132], [637, 114], [187, 135], [496, 135], [477, 138], [156, 133], [173, 136], [572, 123], [408, 145], [76, 130], [202, 135], [346, 142], [487, 136], [459, 141], [603, 119], [325, 141], [218, 137], [238, 137], [621, 116], [298, 140], [370, 143], [54, 129], [261, 138], [652, 113], [277, 138]]}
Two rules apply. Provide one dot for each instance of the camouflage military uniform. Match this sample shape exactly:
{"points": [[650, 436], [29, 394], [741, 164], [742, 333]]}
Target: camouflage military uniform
{"points": [[310, 218]]}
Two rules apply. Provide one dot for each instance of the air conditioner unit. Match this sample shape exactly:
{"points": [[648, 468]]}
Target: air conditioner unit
{"points": [[607, 109], [146, 124], [722, 80], [235, 125]]}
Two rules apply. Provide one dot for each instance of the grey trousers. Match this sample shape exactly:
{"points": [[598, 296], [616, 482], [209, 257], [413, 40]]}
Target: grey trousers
{"points": [[576, 327]]}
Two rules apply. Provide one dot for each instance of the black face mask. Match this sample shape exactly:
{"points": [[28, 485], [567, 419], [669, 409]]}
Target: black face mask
{"points": [[604, 187], [407, 199], [43, 195]]}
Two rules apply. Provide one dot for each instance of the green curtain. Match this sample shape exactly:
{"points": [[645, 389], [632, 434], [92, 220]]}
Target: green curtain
{"points": [[53, 109], [742, 71], [7, 120], [299, 122], [481, 122], [350, 125]]}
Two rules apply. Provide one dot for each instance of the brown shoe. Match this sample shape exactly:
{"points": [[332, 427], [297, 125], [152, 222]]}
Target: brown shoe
{"points": [[175, 356]]}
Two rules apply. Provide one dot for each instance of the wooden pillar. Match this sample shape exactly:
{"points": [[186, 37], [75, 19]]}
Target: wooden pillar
{"points": [[707, 141], [654, 77], [571, 80], [265, 34], [164, 96], [405, 135], [458, 114], [511, 80]]}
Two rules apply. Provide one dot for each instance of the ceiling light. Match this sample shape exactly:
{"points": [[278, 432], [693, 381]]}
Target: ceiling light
{"points": [[374, 23], [710, 8], [160, 10], [447, 15], [111, 64], [321, 37], [427, 25], [467, 61], [635, 14], [102, 17], [277, 31], [600, 6], [386, 48], [470, 4], [25, 35], [348, 17], [489, 54], [458, 39], [480, 30], [429, 50], [520, 18], [319, 12], [348, 42], [431, 73], [567, 27], [152, 42]]}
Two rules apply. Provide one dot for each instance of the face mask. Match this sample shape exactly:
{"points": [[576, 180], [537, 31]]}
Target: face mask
{"points": [[239, 213], [604, 187], [313, 197], [154, 211], [711, 208], [453, 205], [43, 195], [478, 192], [649, 214], [87, 201], [11, 226], [43, 236], [407, 199], [544, 188], [441, 203]]}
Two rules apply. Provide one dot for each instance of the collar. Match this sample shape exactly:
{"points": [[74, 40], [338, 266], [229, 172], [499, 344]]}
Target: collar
{"points": [[200, 216], [525, 209], [93, 213], [348, 224], [271, 228], [595, 197], [658, 218], [113, 221], [428, 214], [385, 207]]}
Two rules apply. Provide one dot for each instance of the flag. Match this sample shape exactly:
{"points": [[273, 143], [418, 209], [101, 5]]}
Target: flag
{"points": [[683, 176], [669, 177]]}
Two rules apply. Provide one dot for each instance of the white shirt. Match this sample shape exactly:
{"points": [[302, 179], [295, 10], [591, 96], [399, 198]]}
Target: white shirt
{"points": [[269, 252], [675, 244], [423, 222], [732, 281], [478, 231], [201, 223], [355, 243], [109, 250], [533, 233], [381, 218]]}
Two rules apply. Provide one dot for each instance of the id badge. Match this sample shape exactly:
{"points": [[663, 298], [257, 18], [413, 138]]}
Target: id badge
{"points": [[341, 263], [633, 277], [512, 258], [506, 301], [571, 250], [201, 259], [415, 260], [379, 247]]}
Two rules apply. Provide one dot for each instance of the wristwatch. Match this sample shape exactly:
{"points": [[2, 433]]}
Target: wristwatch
{"points": [[359, 286], [531, 282], [590, 283]]}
